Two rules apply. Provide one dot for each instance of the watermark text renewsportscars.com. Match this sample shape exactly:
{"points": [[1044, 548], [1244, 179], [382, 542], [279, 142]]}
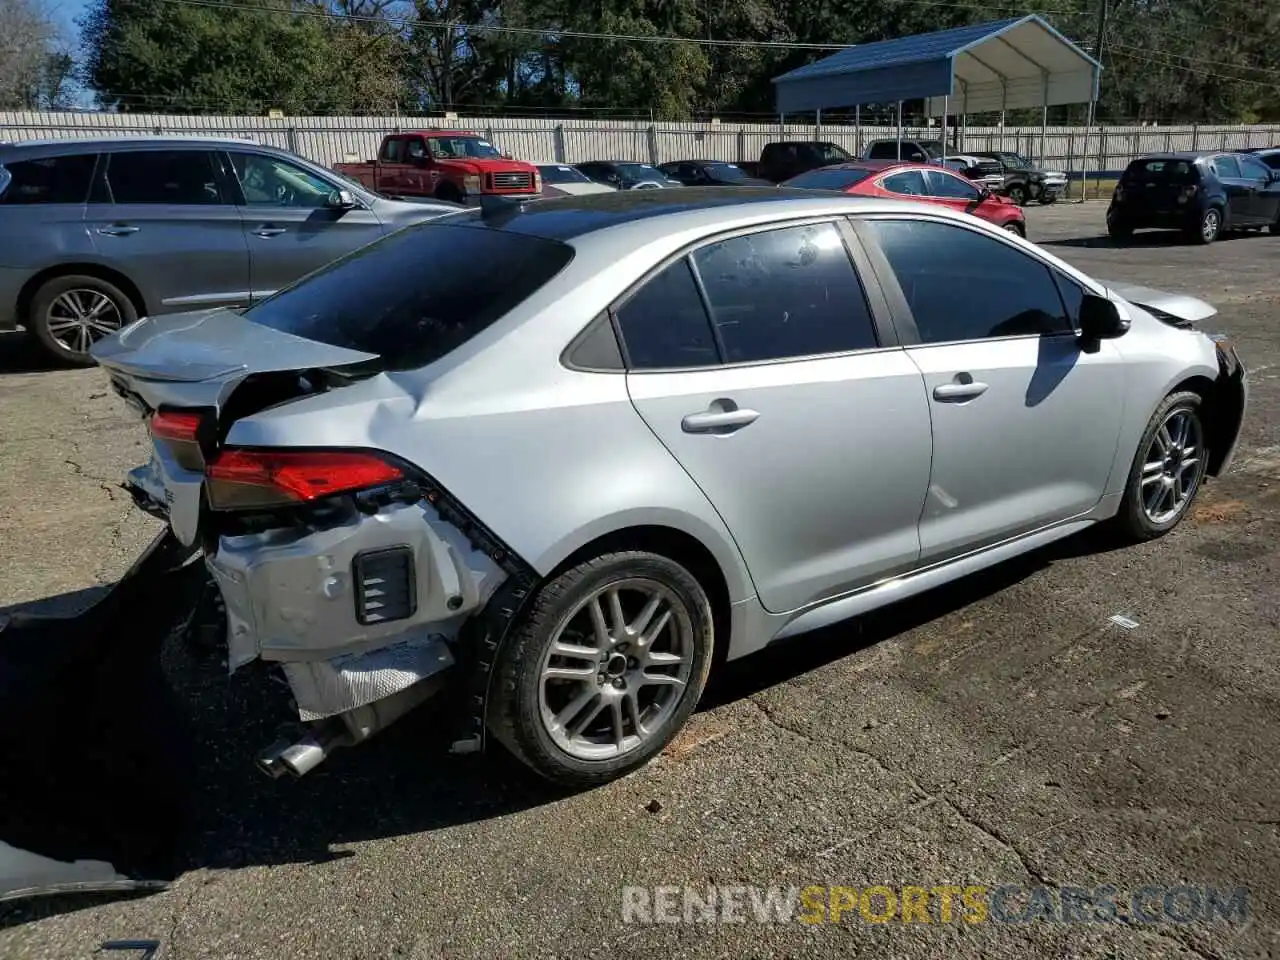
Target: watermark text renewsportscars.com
{"points": [[938, 904]]}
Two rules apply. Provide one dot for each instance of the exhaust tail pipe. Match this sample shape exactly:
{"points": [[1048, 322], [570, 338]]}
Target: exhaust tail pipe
{"points": [[301, 756], [307, 748]]}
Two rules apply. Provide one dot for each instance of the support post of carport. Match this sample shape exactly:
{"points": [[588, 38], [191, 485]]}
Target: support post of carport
{"points": [[946, 104], [817, 126], [1084, 153], [1044, 120], [857, 128], [1004, 95], [899, 129]]}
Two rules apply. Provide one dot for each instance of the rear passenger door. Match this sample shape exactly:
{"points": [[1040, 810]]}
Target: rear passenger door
{"points": [[166, 220], [1266, 191], [760, 363]]}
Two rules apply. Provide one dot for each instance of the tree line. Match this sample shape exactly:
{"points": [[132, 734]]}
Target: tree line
{"points": [[1165, 60]]}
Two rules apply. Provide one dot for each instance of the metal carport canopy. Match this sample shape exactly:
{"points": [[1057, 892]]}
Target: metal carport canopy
{"points": [[1003, 65]]}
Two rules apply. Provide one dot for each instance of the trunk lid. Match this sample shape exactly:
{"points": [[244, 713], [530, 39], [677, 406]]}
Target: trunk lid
{"points": [[195, 361]]}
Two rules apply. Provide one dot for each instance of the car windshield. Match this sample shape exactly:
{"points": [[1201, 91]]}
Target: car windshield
{"points": [[638, 172], [458, 147], [1016, 161], [828, 179], [831, 153], [725, 171], [562, 173], [417, 294]]}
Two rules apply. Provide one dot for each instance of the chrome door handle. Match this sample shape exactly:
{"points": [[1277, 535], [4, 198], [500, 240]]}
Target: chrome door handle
{"points": [[118, 230], [958, 392], [718, 421], [266, 231]]}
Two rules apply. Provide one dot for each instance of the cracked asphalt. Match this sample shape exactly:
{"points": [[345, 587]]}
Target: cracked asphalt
{"points": [[1001, 731]]}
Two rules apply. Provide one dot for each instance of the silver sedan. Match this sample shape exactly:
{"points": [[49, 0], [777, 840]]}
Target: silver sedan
{"points": [[560, 458]]}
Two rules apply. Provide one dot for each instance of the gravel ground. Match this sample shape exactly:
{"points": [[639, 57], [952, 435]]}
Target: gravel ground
{"points": [[999, 732]]}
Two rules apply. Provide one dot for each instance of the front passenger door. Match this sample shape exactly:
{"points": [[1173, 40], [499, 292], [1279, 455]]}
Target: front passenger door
{"points": [[288, 224], [1239, 190], [806, 430], [1025, 423], [1266, 191]]}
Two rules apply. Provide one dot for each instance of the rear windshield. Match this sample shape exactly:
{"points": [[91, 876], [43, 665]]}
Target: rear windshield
{"points": [[562, 173], [1167, 171], [826, 179], [416, 295]]}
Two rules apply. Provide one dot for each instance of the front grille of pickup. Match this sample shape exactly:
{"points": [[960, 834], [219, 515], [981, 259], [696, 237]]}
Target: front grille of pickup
{"points": [[384, 585], [511, 181]]}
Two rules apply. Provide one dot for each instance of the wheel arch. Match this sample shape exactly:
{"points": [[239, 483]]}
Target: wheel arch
{"points": [[1224, 402], [86, 269]]}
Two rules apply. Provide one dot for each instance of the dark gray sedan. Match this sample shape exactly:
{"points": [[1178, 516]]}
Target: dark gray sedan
{"points": [[95, 233]]}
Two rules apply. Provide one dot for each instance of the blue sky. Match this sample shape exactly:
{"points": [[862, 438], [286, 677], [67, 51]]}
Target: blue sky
{"points": [[64, 13]]}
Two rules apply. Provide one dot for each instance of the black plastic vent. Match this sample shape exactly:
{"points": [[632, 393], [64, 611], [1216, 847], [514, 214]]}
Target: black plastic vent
{"points": [[384, 585]]}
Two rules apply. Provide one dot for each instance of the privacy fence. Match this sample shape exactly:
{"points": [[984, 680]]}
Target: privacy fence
{"points": [[328, 140]]}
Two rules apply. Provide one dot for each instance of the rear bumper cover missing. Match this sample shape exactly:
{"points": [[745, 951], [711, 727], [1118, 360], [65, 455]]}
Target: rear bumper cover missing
{"points": [[290, 598]]}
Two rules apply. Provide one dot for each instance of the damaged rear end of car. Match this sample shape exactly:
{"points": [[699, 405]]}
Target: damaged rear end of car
{"points": [[342, 563]]}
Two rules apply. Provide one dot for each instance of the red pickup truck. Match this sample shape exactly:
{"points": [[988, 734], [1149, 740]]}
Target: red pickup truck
{"points": [[455, 165]]}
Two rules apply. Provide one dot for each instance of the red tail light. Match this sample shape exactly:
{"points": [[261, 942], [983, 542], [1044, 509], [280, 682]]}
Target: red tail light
{"points": [[179, 431], [255, 479]]}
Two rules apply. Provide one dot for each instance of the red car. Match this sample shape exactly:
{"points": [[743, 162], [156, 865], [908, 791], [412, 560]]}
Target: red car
{"points": [[915, 181]]}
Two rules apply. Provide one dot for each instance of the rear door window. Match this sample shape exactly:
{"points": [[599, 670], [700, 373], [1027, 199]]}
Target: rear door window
{"points": [[789, 292], [393, 150], [63, 179], [1227, 167], [664, 324], [415, 295], [179, 177], [909, 183]]}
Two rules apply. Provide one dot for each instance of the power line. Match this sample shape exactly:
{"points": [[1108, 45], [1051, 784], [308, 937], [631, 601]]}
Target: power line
{"points": [[577, 34], [1196, 60], [1189, 67]]}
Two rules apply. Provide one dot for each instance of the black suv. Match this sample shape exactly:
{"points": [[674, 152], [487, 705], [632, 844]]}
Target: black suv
{"points": [[1201, 194]]}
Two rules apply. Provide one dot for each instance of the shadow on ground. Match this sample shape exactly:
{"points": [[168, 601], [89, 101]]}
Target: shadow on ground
{"points": [[20, 353], [190, 791]]}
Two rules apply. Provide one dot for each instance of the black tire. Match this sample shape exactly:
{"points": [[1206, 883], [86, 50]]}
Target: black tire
{"points": [[38, 317], [1118, 230], [515, 715], [1048, 198], [1015, 228], [1210, 226], [1132, 520], [1018, 194], [1275, 224]]}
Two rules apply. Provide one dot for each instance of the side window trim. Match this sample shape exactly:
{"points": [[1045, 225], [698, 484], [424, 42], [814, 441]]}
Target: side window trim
{"points": [[213, 155], [903, 318], [884, 323]]}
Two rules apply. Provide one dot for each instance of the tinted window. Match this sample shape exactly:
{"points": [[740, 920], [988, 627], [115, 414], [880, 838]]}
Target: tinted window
{"points": [[887, 150], [417, 294], [457, 147], [725, 171], [828, 179], [270, 181], [664, 324], [1168, 171], [163, 176], [962, 285], [785, 293], [909, 183], [1253, 169], [1226, 167], [1272, 160], [415, 150], [49, 179], [951, 188]]}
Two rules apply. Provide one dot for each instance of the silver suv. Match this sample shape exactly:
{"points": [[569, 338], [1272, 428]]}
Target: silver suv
{"points": [[96, 233]]}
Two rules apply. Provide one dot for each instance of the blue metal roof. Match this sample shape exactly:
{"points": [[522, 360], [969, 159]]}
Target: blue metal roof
{"points": [[1022, 49]]}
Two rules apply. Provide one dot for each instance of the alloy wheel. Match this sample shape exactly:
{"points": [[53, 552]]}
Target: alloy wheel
{"points": [[1210, 224], [616, 669], [1171, 469], [79, 318]]}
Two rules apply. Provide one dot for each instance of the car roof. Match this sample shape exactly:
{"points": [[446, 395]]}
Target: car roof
{"points": [[877, 165], [432, 132], [108, 143], [653, 213]]}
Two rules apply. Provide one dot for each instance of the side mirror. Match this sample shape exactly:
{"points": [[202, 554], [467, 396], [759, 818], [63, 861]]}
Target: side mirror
{"points": [[341, 200], [1100, 319], [917, 157]]}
